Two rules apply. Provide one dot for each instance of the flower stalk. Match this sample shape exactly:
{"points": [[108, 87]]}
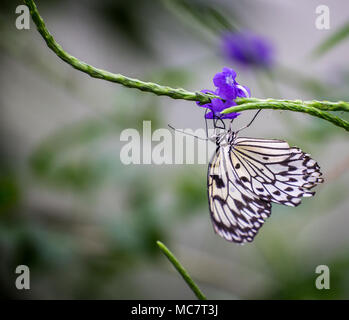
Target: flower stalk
{"points": [[314, 108], [321, 105], [155, 88], [192, 285]]}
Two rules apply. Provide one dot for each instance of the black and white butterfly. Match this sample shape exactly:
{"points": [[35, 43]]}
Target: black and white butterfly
{"points": [[246, 175]]}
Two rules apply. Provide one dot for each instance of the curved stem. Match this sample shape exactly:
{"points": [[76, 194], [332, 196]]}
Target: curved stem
{"points": [[106, 75], [321, 105], [192, 285], [297, 106], [328, 105], [314, 108]]}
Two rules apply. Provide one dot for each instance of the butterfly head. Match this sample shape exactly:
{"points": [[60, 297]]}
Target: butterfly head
{"points": [[223, 138]]}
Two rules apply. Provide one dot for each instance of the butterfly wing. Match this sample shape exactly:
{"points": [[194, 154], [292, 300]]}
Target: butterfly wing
{"points": [[236, 212], [274, 171]]}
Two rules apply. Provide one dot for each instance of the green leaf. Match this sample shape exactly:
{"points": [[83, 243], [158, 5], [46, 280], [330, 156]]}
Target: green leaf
{"points": [[185, 275], [202, 15], [339, 35]]}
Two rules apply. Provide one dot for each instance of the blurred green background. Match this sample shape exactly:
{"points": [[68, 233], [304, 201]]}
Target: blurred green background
{"points": [[86, 224]]}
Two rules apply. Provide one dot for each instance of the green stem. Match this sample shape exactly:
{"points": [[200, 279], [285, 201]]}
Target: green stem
{"points": [[328, 105], [294, 105], [322, 105], [314, 108], [106, 75], [192, 285]]}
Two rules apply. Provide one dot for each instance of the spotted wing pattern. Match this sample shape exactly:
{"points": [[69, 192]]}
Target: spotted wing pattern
{"points": [[236, 213], [246, 176], [273, 171]]}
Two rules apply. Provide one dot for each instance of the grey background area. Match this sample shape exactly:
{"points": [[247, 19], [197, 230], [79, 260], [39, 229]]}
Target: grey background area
{"points": [[86, 225]]}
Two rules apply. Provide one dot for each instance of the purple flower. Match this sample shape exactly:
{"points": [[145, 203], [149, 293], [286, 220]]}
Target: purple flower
{"points": [[247, 49], [228, 89], [219, 105], [226, 84], [216, 106]]}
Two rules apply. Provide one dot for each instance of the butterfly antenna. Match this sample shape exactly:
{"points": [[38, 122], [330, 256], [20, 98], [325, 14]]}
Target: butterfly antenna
{"points": [[254, 117], [187, 133]]}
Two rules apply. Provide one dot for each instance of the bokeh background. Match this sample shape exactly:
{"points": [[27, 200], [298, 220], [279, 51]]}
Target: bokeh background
{"points": [[86, 224]]}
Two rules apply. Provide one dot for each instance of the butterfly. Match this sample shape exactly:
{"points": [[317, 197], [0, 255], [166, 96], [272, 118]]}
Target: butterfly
{"points": [[247, 175]]}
